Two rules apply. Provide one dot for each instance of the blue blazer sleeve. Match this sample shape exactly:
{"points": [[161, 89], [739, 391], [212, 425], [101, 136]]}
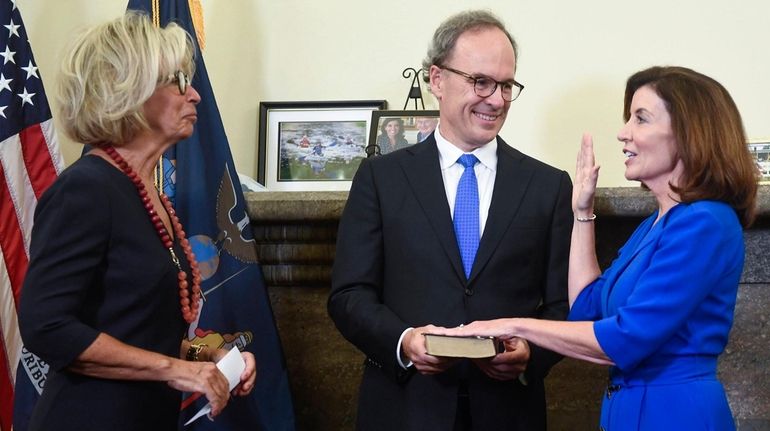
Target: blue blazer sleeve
{"points": [[588, 304], [697, 252]]}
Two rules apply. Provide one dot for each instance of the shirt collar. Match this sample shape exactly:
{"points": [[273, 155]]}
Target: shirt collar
{"points": [[448, 153]]}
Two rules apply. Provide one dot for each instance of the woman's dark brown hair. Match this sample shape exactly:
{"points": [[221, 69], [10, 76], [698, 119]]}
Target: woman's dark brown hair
{"points": [[710, 138]]}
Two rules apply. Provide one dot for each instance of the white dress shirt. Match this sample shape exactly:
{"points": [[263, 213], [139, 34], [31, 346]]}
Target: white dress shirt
{"points": [[485, 170], [451, 171]]}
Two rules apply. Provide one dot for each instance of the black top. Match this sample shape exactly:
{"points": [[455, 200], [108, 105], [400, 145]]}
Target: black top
{"points": [[385, 147], [97, 265]]}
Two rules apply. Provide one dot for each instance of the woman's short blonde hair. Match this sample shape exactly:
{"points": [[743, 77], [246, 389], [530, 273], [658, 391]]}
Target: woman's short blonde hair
{"points": [[110, 70]]}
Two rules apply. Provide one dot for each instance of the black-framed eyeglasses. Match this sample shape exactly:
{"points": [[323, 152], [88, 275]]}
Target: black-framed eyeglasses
{"points": [[485, 86], [181, 79]]}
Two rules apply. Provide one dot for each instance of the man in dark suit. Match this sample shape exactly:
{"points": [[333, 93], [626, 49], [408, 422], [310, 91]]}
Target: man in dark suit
{"points": [[425, 240]]}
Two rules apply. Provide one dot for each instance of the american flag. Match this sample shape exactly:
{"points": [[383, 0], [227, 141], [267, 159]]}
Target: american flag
{"points": [[29, 162]]}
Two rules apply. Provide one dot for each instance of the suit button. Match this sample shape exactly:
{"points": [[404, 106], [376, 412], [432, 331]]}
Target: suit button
{"points": [[468, 292]]}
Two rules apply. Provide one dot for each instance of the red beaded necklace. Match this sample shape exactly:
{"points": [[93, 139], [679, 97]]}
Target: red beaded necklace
{"points": [[189, 299]]}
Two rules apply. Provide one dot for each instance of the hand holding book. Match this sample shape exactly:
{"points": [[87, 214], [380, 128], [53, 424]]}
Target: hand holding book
{"points": [[492, 347], [512, 352], [413, 350], [480, 339]]}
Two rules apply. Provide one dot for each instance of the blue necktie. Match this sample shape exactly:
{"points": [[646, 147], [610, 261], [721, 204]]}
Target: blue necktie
{"points": [[466, 216]]}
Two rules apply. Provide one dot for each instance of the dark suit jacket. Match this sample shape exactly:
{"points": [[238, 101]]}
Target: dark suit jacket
{"points": [[397, 265]]}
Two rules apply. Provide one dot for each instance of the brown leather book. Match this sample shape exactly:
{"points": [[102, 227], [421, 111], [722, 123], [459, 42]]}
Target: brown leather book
{"points": [[462, 347]]}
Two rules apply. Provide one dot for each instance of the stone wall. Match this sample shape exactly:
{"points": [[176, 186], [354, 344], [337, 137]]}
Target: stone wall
{"points": [[296, 233]]}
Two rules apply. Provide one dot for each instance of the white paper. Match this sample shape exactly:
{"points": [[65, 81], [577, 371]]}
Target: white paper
{"points": [[232, 365]]}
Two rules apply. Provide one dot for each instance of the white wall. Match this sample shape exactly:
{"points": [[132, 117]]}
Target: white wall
{"points": [[574, 59]]}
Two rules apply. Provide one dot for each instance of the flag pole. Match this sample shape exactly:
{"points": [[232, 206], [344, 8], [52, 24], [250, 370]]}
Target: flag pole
{"points": [[158, 166], [196, 12]]}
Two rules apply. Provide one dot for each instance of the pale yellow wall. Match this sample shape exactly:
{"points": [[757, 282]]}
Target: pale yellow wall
{"points": [[574, 59]]}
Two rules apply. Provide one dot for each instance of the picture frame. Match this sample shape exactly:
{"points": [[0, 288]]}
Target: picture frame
{"points": [[312, 146], [760, 150], [414, 127]]}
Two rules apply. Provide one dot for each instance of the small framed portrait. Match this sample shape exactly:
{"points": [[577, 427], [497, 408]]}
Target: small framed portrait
{"points": [[312, 146], [393, 130], [761, 152]]}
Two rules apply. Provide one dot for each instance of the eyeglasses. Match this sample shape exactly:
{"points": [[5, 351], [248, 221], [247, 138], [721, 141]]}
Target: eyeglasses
{"points": [[485, 86], [181, 79]]}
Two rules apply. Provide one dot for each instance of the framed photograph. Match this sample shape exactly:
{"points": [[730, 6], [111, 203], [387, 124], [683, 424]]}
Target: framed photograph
{"points": [[312, 146], [392, 130], [761, 152]]}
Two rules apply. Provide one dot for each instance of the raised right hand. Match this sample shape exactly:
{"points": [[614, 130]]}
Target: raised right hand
{"points": [[586, 175]]}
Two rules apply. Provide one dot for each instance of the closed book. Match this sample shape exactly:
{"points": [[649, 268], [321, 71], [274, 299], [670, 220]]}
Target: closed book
{"points": [[462, 347]]}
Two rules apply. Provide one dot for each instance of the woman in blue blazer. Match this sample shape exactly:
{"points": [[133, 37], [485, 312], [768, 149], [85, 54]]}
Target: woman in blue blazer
{"points": [[660, 315]]}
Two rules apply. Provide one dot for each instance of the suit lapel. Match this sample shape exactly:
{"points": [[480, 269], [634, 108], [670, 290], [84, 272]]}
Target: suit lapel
{"points": [[423, 172], [511, 182], [642, 238]]}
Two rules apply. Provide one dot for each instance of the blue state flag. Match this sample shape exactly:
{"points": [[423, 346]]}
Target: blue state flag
{"points": [[201, 177]]}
